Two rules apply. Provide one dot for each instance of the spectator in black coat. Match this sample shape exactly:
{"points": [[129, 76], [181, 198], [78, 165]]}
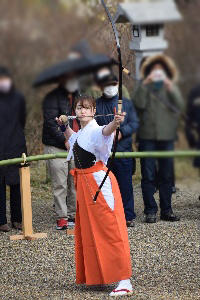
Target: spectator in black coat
{"points": [[193, 123], [60, 102], [12, 145]]}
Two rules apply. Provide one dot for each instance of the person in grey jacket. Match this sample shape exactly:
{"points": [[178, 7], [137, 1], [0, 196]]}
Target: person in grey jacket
{"points": [[159, 103]]}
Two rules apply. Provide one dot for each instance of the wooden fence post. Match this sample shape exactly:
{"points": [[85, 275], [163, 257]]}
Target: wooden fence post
{"points": [[25, 189]]}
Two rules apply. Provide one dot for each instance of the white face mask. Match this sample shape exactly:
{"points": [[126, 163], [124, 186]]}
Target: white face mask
{"points": [[110, 91], [5, 85], [159, 75], [72, 85]]}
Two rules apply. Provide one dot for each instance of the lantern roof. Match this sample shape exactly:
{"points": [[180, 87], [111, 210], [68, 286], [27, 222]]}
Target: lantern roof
{"points": [[140, 12]]}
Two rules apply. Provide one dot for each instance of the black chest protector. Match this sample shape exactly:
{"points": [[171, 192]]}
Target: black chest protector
{"points": [[83, 159]]}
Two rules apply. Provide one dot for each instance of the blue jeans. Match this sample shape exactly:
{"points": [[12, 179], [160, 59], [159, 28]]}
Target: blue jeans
{"points": [[165, 175], [123, 171]]}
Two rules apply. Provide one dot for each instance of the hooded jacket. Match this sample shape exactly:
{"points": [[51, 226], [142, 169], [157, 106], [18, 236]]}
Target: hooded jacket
{"points": [[158, 109]]}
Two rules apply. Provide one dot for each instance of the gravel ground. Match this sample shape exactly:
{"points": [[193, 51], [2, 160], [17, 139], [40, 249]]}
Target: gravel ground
{"points": [[165, 256]]}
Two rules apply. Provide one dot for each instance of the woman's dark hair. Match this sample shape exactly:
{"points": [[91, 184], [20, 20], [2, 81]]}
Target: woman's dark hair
{"points": [[83, 100], [160, 62]]}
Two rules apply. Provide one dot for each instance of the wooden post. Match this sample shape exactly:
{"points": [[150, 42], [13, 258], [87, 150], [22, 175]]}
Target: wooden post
{"points": [[25, 189]]}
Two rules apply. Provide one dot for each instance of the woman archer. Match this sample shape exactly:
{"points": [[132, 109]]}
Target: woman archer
{"points": [[102, 250]]}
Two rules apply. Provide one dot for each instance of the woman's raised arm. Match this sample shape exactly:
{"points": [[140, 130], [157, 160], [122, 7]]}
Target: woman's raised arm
{"points": [[112, 126]]}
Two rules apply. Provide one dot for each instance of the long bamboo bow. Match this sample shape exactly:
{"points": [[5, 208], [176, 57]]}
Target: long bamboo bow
{"points": [[120, 95]]}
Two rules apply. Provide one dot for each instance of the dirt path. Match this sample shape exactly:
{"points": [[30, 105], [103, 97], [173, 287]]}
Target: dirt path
{"points": [[165, 256]]}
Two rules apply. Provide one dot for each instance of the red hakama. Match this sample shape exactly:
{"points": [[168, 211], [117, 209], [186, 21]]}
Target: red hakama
{"points": [[102, 250]]}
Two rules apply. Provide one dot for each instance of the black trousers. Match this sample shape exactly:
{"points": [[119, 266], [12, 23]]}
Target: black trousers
{"points": [[123, 170], [148, 182], [15, 203], [173, 177]]}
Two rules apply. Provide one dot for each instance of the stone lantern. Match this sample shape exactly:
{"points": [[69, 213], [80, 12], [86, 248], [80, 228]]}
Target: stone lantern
{"points": [[147, 19]]}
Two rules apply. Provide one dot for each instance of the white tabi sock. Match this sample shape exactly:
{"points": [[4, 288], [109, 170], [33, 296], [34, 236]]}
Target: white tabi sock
{"points": [[124, 284], [124, 288]]}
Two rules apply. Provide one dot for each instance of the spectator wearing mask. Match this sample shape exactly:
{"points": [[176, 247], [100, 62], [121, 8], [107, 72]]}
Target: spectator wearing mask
{"points": [[12, 145], [95, 90], [159, 103], [122, 168], [174, 189], [60, 102]]}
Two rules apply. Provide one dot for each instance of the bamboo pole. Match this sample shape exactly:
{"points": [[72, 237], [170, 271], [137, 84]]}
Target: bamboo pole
{"points": [[25, 181], [154, 154]]}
